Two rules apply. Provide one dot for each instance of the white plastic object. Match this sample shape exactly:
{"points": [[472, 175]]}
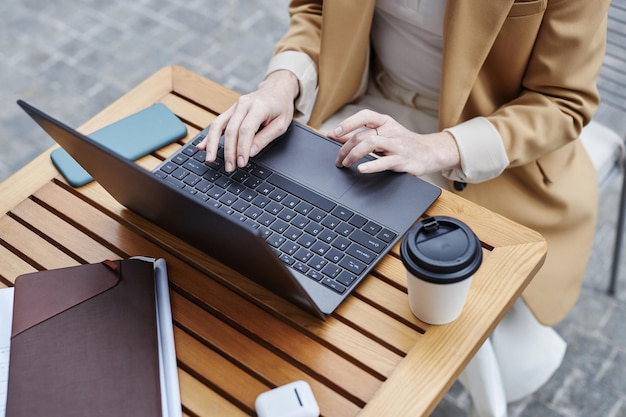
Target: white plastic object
{"points": [[291, 400]]}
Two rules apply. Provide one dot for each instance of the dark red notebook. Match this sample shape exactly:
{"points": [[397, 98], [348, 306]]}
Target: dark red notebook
{"points": [[84, 342]]}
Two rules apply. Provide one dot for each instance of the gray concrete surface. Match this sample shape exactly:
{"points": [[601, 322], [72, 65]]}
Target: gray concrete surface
{"points": [[74, 57]]}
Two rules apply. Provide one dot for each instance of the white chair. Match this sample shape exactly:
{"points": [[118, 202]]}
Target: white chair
{"points": [[608, 153]]}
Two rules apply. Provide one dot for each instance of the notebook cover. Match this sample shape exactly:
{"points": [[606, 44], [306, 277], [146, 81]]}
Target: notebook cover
{"points": [[84, 342]]}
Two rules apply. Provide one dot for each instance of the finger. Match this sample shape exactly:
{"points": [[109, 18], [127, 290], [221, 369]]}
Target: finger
{"points": [[248, 132], [238, 129], [363, 118], [356, 149], [212, 139], [384, 163], [268, 133]]}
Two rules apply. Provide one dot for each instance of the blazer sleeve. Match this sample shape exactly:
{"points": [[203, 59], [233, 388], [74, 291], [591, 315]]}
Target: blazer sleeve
{"points": [[558, 93], [305, 27]]}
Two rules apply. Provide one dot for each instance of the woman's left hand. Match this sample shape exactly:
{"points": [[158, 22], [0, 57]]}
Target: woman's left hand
{"points": [[398, 149]]}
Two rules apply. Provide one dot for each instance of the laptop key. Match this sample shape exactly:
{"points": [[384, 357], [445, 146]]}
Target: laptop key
{"points": [[299, 266], [372, 228], [240, 175], [320, 248], [273, 207], [211, 175], [173, 181], [180, 159], [341, 243], [334, 255], [367, 240], [306, 240], [293, 233], [203, 186], [361, 253], [327, 236], [301, 222], [261, 201], [266, 219], [278, 194], [275, 240], [260, 172], [352, 265], [358, 221], [286, 259], [191, 180], [342, 213], [227, 198], [316, 215], [301, 192], [190, 150], [253, 212], [330, 221], [334, 285], [248, 194], [287, 215], [344, 229], [317, 262], [386, 235], [331, 270], [240, 205], [252, 182], [303, 255], [223, 182], [216, 192], [346, 278], [290, 201], [315, 275], [289, 247], [168, 167], [179, 174], [279, 226], [304, 208]]}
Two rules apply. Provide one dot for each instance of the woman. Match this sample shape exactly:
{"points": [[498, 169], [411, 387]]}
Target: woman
{"points": [[485, 98]]}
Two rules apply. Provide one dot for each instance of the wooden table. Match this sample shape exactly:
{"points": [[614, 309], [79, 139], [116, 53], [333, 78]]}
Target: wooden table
{"points": [[234, 339]]}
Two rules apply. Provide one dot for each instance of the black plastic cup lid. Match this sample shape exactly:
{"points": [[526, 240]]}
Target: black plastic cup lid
{"points": [[441, 250]]}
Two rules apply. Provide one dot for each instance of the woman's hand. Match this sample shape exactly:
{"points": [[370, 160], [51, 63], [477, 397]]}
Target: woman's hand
{"points": [[398, 149], [254, 120]]}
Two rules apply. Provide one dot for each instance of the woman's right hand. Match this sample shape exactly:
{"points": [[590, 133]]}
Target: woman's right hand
{"points": [[254, 120]]}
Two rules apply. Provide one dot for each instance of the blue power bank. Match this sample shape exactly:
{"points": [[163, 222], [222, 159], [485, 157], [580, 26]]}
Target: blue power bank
{"points": [[132, 137]]}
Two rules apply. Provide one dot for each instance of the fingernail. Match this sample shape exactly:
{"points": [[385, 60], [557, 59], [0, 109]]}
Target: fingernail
{"points": [[207, 157], [229, 167], [254, 150], [338, 130], [240, 162]]}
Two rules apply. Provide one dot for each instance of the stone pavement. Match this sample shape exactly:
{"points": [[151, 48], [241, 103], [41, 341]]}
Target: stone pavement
{"points": [[74, 57]]}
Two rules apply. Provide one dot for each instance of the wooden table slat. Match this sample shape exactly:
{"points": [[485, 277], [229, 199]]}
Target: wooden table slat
{"points": [[25, 241], [203, 401], [258, 358]]}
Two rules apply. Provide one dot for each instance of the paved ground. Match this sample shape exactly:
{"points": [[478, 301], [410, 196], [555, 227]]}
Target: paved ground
{"points": [[74, 57]]}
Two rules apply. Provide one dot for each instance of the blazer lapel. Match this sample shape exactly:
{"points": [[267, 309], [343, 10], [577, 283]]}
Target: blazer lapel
{"points": [[470, 28], [344, 53]]}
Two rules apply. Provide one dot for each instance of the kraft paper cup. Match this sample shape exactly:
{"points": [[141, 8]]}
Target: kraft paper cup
{"points": [[441, 255]]}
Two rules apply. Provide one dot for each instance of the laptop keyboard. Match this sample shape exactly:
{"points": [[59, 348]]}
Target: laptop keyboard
{"points": [[308, 232]]}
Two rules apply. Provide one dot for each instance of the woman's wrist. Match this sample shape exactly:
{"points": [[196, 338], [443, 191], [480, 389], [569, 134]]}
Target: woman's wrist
{"points": [[282, 80], [450, 157]]}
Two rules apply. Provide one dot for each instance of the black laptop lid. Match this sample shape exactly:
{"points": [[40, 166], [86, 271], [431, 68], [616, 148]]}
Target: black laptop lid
{"points": [[210, 231]]}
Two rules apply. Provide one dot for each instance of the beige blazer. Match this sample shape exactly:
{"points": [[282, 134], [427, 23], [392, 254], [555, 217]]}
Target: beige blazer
{"points": [[530, 67]]}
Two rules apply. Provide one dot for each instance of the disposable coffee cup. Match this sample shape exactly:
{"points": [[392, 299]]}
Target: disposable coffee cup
{"points": [[441, 255]]}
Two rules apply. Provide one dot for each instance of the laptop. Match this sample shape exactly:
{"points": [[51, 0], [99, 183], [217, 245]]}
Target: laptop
{"points": [[291, 220]]}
